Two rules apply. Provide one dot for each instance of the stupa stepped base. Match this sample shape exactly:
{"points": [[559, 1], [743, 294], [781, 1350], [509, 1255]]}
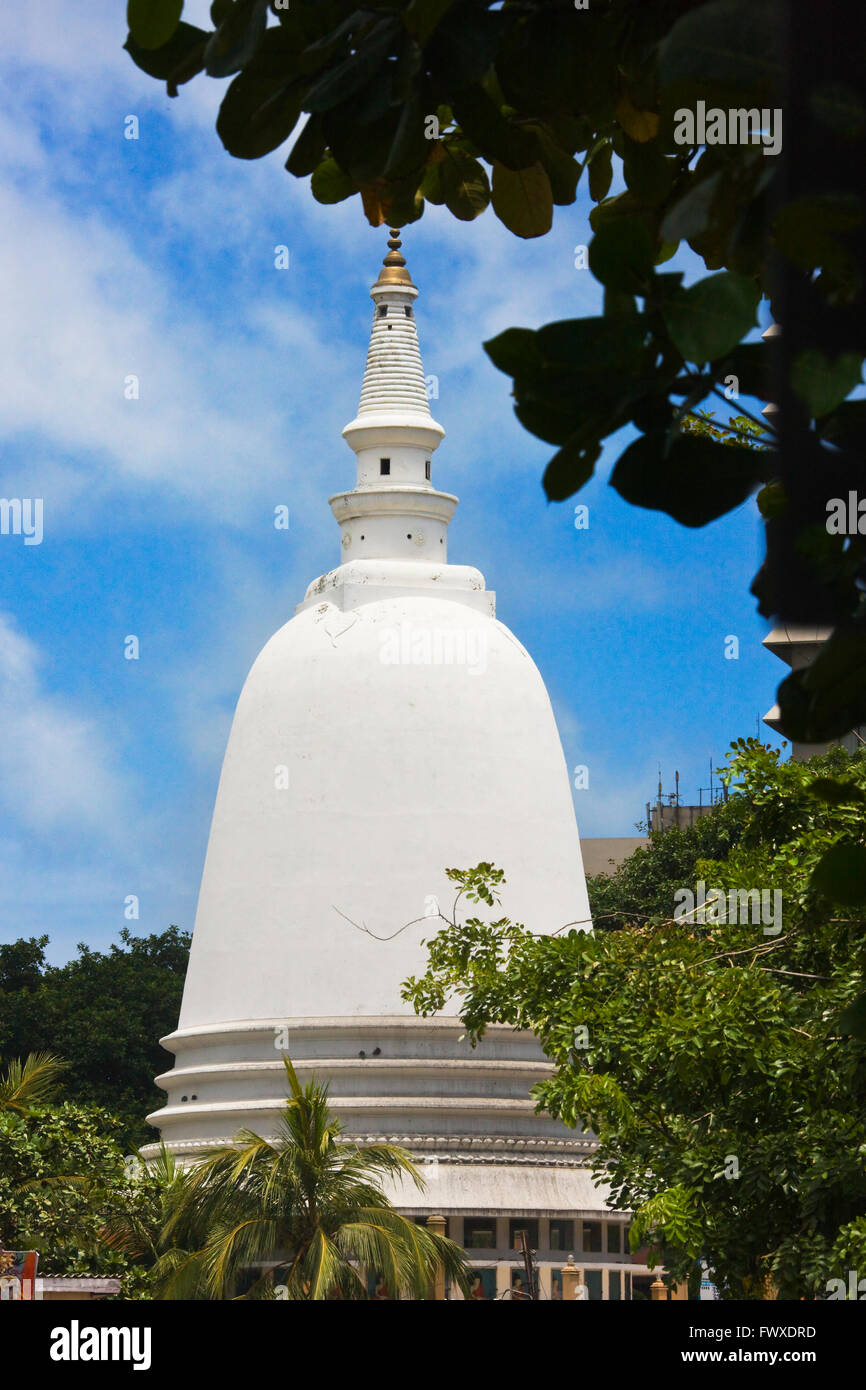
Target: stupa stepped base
{"points": [[414, 1082]]}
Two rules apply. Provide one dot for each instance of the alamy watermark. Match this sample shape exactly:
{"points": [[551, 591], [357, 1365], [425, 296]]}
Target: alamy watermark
{"points": [[22, 516], [737, 126], [855, 1288], [738, 906], [420, 644], [846, 518]]}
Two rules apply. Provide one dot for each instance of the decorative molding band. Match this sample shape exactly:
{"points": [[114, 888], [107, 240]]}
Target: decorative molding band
{"points": [[456, 1148]]}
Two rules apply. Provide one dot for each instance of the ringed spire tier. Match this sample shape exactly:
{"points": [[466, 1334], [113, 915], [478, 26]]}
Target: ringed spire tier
{"points": [[394, 512]]}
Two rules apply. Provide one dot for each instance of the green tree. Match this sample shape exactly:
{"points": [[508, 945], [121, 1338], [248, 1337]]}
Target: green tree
{"points": [[63, 1182], [137, 1226], [716, 1060], [644, 885], [103, 1013], [305, 1212], [466, 104]]}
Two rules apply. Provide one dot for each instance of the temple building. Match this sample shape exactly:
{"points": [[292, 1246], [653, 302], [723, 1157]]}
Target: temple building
{"points": [[392, 729]]}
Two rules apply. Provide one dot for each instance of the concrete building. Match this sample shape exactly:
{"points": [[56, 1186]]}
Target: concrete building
{"points": [[392, 729]]}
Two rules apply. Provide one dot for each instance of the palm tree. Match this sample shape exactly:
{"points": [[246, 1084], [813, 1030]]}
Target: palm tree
{"points": [[136, 1226], [305, 1212], [31, 1082]]}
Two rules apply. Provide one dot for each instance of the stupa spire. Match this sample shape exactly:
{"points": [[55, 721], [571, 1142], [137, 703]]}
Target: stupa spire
{"points": [[394, 382], [399, 513]]}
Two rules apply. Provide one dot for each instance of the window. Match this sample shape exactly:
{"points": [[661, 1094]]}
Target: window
{"points": [[384, 466], [562, 1235], [592, 1279], [613, 1285], [479, 1233], [427, 470], [382, 311], [407, 311], [613, 1238], [522, 1223], [592, 1237]]}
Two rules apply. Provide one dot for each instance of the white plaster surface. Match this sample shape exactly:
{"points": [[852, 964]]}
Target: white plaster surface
{"points": [[395, 772]]}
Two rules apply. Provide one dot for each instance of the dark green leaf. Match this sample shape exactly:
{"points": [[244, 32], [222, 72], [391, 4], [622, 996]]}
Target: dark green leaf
{"points": [[308, 150], [163, 62], [523, 199], [695, 481], [840, 874], [411, 147], [495, 137], [727, 53], [846, 427], [709, 318], [459, 181], [422, 16], [852, 1019], [691, 213], [593, 344], [401, 202], [257, 115], [515, 351], [837, 792], [618, 304], [236, 40], [648, 172], [361, 67], [462, 47], [773, 501], [329, 184], [563, 170], [750, 365], [600, 173], [621, 255], [812, 232], [570, 468], [152, 22], [822, 385], [361, 150]]}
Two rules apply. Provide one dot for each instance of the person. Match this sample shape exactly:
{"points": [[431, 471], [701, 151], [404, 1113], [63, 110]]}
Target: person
{"points": [[477, 1290]]}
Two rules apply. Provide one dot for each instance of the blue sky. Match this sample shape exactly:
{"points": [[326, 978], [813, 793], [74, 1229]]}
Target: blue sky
{"points": [[155, 258]]}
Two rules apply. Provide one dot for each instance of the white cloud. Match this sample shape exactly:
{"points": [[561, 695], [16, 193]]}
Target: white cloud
{"points": [[56, 770]]}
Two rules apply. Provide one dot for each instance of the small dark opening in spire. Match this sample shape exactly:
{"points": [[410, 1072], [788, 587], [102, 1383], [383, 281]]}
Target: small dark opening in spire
{"points": [[384, 466], [407, 310], [427, 469], [382, 310]]}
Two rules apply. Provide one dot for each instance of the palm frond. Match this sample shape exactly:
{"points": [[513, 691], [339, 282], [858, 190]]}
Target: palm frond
{"points": [[307, 1201], [31, 1082]]}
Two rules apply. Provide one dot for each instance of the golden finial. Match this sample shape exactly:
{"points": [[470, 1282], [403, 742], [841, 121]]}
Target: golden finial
{"points": [[394, 270]]}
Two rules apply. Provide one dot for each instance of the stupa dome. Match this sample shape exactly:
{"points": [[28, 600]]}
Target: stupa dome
{"points": [[373, 747]]}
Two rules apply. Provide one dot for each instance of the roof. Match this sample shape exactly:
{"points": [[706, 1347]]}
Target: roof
{"points": [[489, 1189]]}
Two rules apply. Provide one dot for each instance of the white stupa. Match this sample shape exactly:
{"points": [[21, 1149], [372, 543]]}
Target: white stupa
{"points": [[391, 730]]}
